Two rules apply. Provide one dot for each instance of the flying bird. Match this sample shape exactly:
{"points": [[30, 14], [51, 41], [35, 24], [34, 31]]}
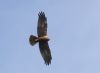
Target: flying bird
{"points": [[42, 38]]}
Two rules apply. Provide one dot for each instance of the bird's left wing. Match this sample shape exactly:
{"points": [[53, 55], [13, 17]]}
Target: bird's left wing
{"points": [[45, 52]]}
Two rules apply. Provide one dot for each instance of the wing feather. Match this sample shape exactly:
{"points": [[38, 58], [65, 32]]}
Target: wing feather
{"points": [[42, 25], [43, 43], [45, 52]]}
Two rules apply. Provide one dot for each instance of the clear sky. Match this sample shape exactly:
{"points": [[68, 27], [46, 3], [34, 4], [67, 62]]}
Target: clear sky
{"points": [[73, 27]]}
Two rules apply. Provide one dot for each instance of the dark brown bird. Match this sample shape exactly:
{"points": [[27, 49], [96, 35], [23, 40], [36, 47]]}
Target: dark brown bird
{"points": [[42, 38]]}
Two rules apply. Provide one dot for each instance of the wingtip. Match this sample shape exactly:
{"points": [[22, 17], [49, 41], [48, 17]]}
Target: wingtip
{"points": [[48, 61], [41, 13]]}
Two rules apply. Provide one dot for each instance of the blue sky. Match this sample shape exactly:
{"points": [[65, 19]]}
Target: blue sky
{"points": [[74, 29]]}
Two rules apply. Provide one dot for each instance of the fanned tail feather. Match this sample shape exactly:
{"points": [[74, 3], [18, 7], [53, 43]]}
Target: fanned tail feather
{"points": [[33, 40]]}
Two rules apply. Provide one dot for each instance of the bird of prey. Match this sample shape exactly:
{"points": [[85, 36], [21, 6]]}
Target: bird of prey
{"points": [[42, 38]]}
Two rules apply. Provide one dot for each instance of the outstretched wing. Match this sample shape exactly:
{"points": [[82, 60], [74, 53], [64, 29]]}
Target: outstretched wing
{"points": [[45, 52], [42, 25], [43, 44]]}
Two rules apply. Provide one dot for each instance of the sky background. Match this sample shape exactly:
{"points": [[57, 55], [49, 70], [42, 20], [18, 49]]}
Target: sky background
{"points": [[73, 27]]}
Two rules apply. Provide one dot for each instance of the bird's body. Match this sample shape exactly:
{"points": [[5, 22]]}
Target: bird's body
{"points": [[42, 38]]}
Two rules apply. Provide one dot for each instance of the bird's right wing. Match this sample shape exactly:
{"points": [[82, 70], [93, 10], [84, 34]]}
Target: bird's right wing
{"points": [[42, 25]]}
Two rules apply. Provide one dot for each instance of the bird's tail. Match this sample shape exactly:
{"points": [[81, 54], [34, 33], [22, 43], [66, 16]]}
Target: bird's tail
{"points": [[33, 40]]}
